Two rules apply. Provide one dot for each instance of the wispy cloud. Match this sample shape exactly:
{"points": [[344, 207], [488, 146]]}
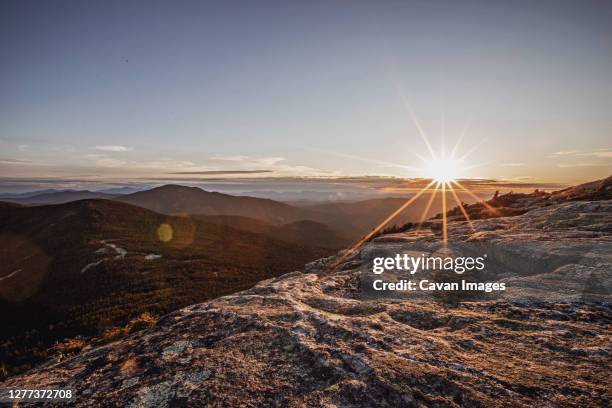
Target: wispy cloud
{"points": [[163, 163], [599, 153], [605, 153], [273, 164], [563, 153], [19, 162], [582, 164], [109, 162], [576, 158], [23, 147], [513, 164], [221, 172], [168, 163], [113, 148], [263, 161]]}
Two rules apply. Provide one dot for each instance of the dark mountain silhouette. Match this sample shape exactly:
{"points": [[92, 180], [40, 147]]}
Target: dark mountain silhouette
{"points": [[59, 197], [175, 199], [361, 216], [122, 190], [4, 196], [353, 219], [305, 232], [6, 204], [84, 267], [331, 224]]}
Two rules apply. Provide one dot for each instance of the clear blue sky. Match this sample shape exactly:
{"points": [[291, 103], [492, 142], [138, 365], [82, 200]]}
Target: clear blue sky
{"points": [[132, 88]]}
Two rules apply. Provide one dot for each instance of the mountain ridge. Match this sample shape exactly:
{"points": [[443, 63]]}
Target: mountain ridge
{"points": [[177, 199], [58, 197]]}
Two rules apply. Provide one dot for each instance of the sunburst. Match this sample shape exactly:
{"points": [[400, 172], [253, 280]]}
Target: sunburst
{"points": [[443, 170], [444, 173]]}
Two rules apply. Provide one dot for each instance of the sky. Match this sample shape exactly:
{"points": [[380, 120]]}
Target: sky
{"points": [[130, 90]]}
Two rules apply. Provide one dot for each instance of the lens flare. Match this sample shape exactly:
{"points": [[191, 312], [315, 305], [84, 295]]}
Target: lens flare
{"points": [[165, 232]]}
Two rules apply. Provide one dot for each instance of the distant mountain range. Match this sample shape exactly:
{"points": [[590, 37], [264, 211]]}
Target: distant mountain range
{"points": [[305, 232], [362, 216], [347, 219], [175, 199], [55, 197], [27, 194]]}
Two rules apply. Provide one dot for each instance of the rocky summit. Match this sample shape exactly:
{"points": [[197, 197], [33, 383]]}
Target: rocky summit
{"points": [[324, 338]]}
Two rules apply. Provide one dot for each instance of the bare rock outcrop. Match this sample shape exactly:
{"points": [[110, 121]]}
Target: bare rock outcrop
{"points": [[325, 339]]}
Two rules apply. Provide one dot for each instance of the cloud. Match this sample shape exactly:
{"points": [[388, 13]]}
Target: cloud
{"points": [[23, 147], [599, 153], [598, 158], [21, 162], [513, 164], [168, 164], [108, 162], [222, 172], [234, 158], [273, 164], [113, 148], [263, 161], [563, 153], [583, 164], [165, 164], [274, 187]]}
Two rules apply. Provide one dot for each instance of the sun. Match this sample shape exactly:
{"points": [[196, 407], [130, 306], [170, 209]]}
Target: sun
{"points": [[446, 174], [442, 170]]}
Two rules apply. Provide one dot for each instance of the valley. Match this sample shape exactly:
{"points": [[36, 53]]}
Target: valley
{"points": [[85, 267]]}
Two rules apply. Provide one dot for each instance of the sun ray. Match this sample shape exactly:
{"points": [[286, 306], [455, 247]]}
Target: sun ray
{"points": [[443, 170], [429, 203], [418, 156], [444, 224], [366, 160], [478, 199], [355, 247], [443, 134], [418, 126], [472, 150], [475, 166], [460, 139], [465, 214]]}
